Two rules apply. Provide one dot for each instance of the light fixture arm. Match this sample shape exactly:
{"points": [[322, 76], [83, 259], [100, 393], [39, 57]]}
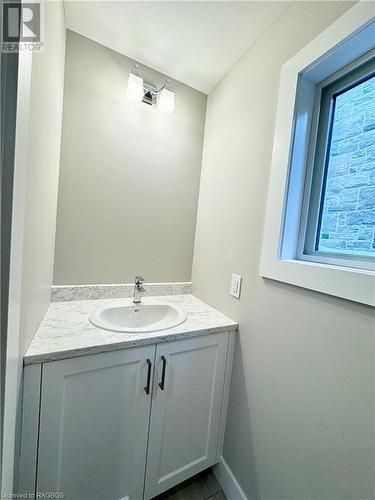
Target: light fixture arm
{"points": [[155, 90], [166, 83]]}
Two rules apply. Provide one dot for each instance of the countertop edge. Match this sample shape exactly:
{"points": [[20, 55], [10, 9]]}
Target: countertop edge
{"points": [[128, 344]]}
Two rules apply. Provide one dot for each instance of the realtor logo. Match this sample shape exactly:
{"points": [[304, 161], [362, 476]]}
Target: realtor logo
{"points": [[21, 27]]}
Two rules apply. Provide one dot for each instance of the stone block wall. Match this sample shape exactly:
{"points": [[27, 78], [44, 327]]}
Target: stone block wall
{"points": [[348, 219]]}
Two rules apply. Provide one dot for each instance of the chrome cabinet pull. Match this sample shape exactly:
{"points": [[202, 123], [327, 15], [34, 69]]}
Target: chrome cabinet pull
{"points": [[162, 383], [147, 388]]}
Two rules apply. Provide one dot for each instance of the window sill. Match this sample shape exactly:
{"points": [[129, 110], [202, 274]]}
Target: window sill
{"points": [[348, 283]]}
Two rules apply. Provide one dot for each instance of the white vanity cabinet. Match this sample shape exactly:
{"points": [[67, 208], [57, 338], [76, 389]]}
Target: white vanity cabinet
{"points": [[186, 410], [126, 424], [94, 419]]}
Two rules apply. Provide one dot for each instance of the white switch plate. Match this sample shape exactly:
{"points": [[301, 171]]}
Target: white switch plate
{"points": [[235, 287]]}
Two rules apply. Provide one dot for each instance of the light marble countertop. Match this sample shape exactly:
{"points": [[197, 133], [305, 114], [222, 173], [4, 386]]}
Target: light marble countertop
{"points": [[61, 293], [66, 332]]}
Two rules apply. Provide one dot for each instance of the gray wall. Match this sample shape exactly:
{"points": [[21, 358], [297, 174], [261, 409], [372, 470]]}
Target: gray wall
{"points": [[129, 175], [47, 87], [301, 414], [37, 151], [8, 109]]}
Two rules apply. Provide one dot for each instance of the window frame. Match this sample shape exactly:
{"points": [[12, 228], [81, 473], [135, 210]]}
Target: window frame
{"points": [[344, 41], [343, 80]]}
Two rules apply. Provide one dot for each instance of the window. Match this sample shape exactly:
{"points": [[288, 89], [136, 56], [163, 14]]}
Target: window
{"points": [[319, 225], [340, 207]]}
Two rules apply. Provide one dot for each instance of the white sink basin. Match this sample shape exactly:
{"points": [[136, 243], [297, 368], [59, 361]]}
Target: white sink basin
{"points": [[137, 318]]}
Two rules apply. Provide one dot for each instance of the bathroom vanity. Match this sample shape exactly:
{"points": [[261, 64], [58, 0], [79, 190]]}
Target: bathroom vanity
{"points": [[111, 415]]}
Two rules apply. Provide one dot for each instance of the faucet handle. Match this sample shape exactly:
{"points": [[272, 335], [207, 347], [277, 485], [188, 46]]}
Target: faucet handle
{"points": [[139, 280]]}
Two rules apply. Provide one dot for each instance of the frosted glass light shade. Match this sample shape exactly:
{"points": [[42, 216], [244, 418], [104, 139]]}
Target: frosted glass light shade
{"points": [[165, 102], [135, 90]]}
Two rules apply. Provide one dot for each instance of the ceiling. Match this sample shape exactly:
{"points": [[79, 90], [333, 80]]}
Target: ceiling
{"points": [[194, 42]]}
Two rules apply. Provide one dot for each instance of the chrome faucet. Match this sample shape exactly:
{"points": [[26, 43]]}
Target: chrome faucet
{"points": [[139, 289]]}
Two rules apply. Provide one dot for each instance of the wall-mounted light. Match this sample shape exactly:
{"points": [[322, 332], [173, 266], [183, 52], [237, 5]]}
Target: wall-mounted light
{"points": [[134, 91], [162, 98], [165, 100]]}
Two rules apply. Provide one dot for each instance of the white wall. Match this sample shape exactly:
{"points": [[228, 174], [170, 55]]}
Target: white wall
{"points": [[37, 153], [129, 176], [301, 413]]}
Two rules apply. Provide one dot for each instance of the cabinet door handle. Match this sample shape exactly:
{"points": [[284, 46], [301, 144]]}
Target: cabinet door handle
{"points": [[147, 388], [162, 383]]}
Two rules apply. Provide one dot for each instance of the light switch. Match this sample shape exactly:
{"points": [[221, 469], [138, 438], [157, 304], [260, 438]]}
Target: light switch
{"points": [[235, 287]]}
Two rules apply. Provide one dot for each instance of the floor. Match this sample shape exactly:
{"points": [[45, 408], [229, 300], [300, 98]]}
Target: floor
{"points": [[204, 486]]}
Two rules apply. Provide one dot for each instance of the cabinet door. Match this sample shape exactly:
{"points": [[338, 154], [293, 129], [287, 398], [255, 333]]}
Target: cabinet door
{"points": [[94, 425], [186, 410]]}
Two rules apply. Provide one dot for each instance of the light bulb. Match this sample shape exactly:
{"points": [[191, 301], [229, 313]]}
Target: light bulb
{"points": [[165, 102], [135, 90]]}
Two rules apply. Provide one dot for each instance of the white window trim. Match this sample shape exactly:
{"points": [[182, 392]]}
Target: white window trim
{"points": [[344, 41]]}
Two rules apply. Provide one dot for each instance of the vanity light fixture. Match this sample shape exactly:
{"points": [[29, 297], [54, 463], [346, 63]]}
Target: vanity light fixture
{"points": [[135, 90], [165, 100], [138, 90]]}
